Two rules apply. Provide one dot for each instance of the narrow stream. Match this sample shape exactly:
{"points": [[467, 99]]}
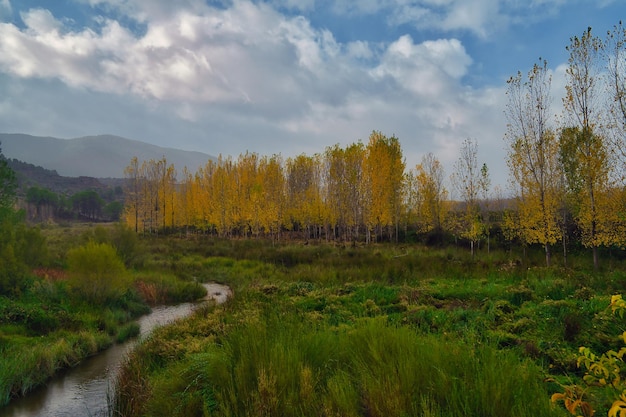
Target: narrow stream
{"points": [[85, 389]]}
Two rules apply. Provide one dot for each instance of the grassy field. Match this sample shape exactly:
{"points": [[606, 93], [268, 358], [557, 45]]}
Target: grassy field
{"points": [[379, 330]]}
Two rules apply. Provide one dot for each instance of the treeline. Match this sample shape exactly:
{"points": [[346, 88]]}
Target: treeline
{"points": [[567, 176], [42, 204], [346, 193]]}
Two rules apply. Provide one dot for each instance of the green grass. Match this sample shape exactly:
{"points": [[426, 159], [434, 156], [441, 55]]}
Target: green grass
{"points": [[323, 329], [371, 330], [277, 364], [50, 326]]}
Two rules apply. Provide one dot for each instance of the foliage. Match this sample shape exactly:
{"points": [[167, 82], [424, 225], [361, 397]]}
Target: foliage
{"points": [[533, 158], [97, 273], [431, 197], [603, 371], [20, 247], [44, 200], [87, 204], [8, 184]]}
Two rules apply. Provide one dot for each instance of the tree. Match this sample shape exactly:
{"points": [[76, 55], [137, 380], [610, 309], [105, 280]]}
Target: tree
{"points": [[614, 51], [44, 200], [533, 157], [345, 192], [431, 194], [133, 178], [383, 174], [466, 179], [585, 152], [273, 195], [595, 200], [8, 183], [303, 191], [484, 187], [87, 204]]}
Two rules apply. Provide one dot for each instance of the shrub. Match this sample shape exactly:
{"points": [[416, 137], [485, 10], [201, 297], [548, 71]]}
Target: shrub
{"points": [[97, 273]]}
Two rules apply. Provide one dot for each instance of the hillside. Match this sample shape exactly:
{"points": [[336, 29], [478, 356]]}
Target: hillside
{"points": [[29, 175], [103, 156]]}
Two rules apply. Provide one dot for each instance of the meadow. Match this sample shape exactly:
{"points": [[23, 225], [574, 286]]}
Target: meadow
{"points": [[322, 329]]}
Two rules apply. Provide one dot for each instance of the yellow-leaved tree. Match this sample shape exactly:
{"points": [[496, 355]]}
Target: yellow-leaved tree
{"points": [[383, 179], [585, 153], [533, 158], [467, 179], [431, 195]]}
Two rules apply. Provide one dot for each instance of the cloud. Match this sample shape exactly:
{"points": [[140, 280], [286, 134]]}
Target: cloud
{"points": [[425, 69], [483, 18], [241, 76]]}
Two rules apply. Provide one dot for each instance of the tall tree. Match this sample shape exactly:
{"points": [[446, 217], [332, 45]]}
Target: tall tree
{"points": [[336, 190], [383, 173], [466, 179], [431, 194], [614, 51], [303, 191], [533, 157], [585, 150], [484, 187], [273, 198], [132, 193]]}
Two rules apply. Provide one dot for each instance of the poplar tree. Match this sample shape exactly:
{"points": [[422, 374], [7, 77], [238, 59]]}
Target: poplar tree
{"points": [[585, 152], [533, 157], [466, 179], [614, 51], [383, 175], [431, 194]]}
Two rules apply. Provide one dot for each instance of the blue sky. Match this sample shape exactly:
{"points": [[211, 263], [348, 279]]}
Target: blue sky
{"points": [[283, 76]]}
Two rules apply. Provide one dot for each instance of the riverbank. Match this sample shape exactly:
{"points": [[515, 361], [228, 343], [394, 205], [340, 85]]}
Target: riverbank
{"points": [[87, 388], [64, 314]]}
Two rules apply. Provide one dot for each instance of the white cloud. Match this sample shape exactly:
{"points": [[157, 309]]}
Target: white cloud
{"points": [[427, 68], [250, 78], [483, 18]]}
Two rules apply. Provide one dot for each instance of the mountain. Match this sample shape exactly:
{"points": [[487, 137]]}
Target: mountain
{"points": [[103, 156]]}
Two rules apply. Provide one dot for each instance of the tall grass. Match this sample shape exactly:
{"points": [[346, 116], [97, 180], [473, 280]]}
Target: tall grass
{"points": [[366, 331], [284, 366], [26, 366]]}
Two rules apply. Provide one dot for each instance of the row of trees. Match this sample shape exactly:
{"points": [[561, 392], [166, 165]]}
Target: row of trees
{"points": [[43, 204], [571, 170], [360, 192], [352, 193]]}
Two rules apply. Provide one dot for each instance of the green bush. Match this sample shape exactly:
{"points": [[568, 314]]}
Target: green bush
{"points": [[97, 273]]}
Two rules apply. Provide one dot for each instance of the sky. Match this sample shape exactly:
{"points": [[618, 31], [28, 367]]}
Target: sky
{"points": [[283, 76]]}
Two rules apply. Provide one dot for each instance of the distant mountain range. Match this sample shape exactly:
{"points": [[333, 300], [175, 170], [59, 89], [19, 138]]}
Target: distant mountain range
{"points": [[103, 156]]}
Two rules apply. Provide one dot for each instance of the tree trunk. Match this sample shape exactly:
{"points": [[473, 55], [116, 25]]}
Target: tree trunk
{"points": [[548, 255]]}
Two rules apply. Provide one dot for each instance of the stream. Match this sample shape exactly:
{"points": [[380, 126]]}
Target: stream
{"points": [[86, 389]]}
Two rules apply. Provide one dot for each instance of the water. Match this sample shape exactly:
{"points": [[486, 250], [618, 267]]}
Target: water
{"points": [[85, 390]]}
